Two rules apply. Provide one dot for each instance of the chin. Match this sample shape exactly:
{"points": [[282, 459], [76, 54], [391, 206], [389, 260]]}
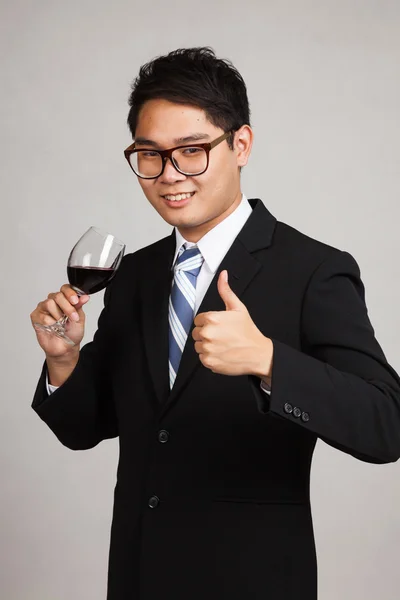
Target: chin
{"points": [[177, 218]]}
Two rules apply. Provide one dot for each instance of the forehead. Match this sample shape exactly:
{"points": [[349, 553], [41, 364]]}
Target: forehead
{"points": [[163, 121]]}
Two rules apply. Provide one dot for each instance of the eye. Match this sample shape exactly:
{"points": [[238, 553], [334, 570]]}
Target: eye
{"points": [[149, 154], [190, 151]]}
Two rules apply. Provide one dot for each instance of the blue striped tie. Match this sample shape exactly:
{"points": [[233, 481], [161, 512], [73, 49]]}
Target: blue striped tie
{"points": [[181, 304]]}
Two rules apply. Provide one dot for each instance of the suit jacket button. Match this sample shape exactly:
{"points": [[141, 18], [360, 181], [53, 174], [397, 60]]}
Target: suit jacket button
{"points": [[305, 417], [288, 408], [154, 501], [296, 412], [163, 436]]}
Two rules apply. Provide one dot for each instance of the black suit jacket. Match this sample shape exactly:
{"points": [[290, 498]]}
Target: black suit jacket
{"points": [[212, 493]]}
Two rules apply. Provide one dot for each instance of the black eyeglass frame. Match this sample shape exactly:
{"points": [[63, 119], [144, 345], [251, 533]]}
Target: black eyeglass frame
{"points": [[207, 146]]}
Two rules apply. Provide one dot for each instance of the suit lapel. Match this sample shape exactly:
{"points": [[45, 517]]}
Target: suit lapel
{"points": [[155, 288]]}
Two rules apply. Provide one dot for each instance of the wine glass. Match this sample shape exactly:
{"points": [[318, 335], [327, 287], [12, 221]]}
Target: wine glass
{"points": [[92, 264]]}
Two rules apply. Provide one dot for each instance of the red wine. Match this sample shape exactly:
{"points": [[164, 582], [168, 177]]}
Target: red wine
{"points": [[89, 279]]}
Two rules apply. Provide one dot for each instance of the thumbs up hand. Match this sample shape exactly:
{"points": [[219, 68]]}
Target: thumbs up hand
{"points": [[228, 342]]}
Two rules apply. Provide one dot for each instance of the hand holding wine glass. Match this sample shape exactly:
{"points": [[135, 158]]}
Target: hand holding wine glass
{"points": [[51, 311], [91, 265]]}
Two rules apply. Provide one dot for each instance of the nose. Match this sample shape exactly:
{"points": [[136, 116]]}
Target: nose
{"points": [[170, 174]]}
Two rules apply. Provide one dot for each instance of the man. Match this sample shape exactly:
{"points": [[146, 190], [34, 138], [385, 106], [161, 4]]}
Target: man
{"points": [[223, 352]]}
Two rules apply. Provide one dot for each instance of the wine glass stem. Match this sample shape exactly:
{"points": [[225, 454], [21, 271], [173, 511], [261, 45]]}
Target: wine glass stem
{"points": [[59, 326]]}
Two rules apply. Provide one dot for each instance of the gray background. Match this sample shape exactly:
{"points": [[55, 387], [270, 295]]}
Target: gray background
{"points": [[323, 84]]}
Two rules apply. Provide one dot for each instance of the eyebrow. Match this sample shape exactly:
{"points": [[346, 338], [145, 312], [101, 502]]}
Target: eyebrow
{"points": [[193, 137]]}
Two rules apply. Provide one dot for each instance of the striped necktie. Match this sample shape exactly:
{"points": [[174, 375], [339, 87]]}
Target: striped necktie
{"points": [[181, 304]]}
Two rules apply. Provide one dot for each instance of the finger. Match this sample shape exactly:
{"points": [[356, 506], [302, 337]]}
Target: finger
{"points": [[207, 333], [45, 319], [73, 297], [82, 300], [40, 316], [212, 316], [200, 319], [51, 308], [229, 297], [198, 346], [63, 304], [196, 334]]}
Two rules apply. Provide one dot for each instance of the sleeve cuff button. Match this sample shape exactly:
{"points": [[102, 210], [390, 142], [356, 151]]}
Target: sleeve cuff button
{"points": [[296, 412]]}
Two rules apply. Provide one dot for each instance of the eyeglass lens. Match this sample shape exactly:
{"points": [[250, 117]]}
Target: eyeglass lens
{"points": [[189, 160]]}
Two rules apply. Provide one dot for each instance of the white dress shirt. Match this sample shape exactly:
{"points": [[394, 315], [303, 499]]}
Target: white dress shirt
{"points": [[213, 246]]}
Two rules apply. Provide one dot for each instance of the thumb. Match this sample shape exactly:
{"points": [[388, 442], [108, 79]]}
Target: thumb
{"points": [[79, 307], [229, 297]]}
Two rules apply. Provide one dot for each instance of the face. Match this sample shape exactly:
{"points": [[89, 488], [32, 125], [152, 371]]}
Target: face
{"points": [[216, 193]]}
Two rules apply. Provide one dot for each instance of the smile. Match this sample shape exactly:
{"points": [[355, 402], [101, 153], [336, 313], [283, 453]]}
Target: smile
{"points": [[178, 197]]}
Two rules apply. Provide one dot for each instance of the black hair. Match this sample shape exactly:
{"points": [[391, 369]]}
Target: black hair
{"points": [[193, 76]]}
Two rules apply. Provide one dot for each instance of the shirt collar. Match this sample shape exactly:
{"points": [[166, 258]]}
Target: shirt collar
{"points": [[216, 243]]}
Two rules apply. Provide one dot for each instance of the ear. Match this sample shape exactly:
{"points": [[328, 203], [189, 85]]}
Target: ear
{"points": [[243, 142]]}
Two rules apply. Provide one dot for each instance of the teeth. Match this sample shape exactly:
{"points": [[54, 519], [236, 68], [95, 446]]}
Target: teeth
{"points": [[178, 197]]}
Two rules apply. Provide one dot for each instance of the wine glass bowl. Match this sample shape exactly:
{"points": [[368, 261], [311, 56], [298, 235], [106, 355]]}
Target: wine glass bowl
{"points": [[91, 266]]}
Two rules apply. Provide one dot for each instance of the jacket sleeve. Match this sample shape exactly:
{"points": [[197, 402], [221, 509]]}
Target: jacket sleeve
{"points": [[340, 385], [81, 411]]}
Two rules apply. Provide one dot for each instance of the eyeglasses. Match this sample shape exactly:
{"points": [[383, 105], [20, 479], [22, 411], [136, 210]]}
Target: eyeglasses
{"points": [[188, 160]]}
